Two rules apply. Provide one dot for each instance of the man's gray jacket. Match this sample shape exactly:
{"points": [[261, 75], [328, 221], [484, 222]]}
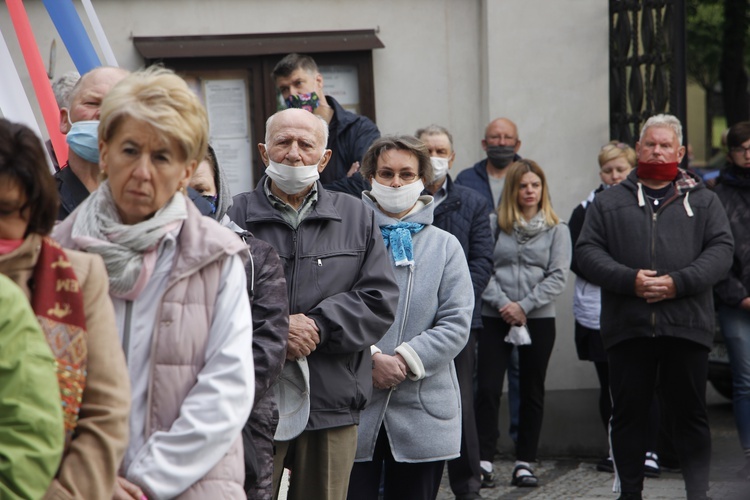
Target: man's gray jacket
{"points": [[338, 274], [688, 237]]}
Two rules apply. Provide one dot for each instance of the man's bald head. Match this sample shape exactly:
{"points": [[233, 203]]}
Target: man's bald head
{"points": [[297, 118], [107, 75], [86, 97], [501, 127], [501, 132]]}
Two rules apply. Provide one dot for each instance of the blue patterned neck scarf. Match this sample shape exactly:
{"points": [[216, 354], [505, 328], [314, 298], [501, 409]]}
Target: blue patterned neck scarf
{"points": [[398, 238]]}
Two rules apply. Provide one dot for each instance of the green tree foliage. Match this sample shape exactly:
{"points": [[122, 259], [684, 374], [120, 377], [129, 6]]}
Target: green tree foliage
{"points": [[734, 61], [718, 51], [705, 25]]}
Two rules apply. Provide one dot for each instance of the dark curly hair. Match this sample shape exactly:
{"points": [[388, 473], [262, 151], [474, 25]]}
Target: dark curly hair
{"points": [[22, 160]]}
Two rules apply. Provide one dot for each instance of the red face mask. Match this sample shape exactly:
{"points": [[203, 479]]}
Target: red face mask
{"points": [[657, 171]]}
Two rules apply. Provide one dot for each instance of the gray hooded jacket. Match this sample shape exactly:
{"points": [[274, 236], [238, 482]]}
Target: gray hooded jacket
{"points": [[422, 414]]}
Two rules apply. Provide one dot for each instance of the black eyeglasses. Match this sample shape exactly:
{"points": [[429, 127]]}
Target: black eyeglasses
{"points": [[740, 150]]}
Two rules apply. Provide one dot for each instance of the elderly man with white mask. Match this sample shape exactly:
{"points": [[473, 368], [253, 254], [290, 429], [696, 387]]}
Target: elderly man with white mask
{"points": [[342, 299]]}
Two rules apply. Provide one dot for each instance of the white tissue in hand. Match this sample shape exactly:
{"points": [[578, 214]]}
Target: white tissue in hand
{"points": [[518, 335]]}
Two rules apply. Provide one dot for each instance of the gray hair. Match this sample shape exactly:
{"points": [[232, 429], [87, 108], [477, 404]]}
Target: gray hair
{"points": [[323, 127], [63, 86], [664, 120], [434, 130]]}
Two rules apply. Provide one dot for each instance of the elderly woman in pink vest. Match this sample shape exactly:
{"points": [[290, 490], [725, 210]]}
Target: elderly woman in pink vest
{"points": [[177, 282]]}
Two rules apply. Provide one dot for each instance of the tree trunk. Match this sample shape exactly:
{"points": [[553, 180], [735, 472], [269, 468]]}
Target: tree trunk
{"points": [[732, 71]]}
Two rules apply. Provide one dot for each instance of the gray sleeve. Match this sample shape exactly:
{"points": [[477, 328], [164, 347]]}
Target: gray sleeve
{"points": [[556, 275]]}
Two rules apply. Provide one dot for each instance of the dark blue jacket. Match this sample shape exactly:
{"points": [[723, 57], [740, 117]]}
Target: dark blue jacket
{"points": [[350, 136], [477, 179], [465, 216], [71, 191]]}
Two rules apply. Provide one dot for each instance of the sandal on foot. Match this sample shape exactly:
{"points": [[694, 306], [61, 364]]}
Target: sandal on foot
{"points": [[651, 465], [524, 480]]}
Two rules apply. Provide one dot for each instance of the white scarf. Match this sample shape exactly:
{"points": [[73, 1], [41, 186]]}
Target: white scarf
{"points": [[525, 230], [128, 250]]}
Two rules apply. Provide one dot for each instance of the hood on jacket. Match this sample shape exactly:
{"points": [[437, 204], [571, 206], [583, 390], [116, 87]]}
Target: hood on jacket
{"points": [[223, 194], [685, 183]]}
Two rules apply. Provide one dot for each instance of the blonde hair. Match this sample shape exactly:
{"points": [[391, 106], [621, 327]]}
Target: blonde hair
{"points": [[615, 149], [162, 99], [508, 212]]}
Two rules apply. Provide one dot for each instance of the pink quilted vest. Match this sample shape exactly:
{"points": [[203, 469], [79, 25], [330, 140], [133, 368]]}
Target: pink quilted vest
{"points": [[179, 345]]}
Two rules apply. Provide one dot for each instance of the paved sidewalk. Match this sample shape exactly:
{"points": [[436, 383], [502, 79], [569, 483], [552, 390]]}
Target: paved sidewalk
{"points": [[566, 479], [578, 479]]}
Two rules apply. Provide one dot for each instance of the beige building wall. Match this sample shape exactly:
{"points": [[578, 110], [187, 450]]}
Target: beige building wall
{"points": [[458, 63], [696, 116]]}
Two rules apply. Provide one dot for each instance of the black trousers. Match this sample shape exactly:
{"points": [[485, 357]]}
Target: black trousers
{"points": [[681, 368], [402, 480], [464, 472], [493, 359]]}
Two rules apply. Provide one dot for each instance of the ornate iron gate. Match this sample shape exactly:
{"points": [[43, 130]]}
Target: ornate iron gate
{"points": [[647, 64]]}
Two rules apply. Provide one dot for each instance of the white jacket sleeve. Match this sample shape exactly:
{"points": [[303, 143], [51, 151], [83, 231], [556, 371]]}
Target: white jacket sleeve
{"points": [[216, 408]]}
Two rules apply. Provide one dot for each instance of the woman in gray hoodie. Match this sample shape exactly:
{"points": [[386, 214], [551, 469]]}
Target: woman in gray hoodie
{"points": [[412, 423], [532, 259]]}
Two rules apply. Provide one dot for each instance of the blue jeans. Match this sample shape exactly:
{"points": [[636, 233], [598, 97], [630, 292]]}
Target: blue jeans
{"points": [[735, 326]]}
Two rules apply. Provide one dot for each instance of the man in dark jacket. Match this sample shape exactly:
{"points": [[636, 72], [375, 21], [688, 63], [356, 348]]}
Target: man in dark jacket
{"points": [[656, 244], [301, 85], [487, 177], [79, 120], [501, 143], [462, 213], [342, 298]]}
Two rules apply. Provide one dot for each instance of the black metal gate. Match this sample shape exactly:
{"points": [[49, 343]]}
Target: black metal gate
{"points": [[647, 64]]}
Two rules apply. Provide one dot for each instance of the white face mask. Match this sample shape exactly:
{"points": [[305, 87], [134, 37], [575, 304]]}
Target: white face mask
{"points": [[292, 180], [439, 167], [396, 200]]}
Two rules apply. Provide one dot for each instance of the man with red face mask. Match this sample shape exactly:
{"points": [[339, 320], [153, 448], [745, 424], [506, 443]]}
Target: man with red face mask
{"points": [[656, 244]]}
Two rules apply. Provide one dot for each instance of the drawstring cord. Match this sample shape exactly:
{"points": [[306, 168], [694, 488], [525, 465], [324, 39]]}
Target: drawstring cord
{"points": [[687, 206], [641, 201]]}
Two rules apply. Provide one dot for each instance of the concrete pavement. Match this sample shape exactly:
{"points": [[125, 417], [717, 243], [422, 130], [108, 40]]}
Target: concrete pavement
{"points": [[577, 478]]}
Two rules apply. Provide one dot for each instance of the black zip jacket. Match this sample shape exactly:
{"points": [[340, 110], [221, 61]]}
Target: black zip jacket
{"points": [[688, 237], [733, 189]]}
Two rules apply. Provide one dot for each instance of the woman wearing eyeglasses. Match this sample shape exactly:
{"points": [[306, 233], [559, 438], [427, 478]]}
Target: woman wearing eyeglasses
{"points": [[532, 258], [733, 189], [412, 423]]}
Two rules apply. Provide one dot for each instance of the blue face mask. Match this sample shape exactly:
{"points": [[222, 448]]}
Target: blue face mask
{"points": [[83, 139], [211, 199]]}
